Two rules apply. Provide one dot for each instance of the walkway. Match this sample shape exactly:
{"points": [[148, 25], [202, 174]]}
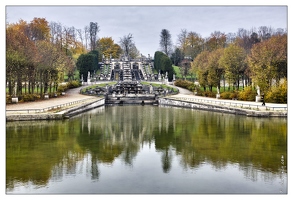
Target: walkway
{"points": [[73, 98], [70, 99]]}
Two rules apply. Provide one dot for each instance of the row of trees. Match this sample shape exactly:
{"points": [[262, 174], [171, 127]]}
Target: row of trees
{"points": [[265, 64], [256, 56], [190, 44], [40, 53], [33, 63]]}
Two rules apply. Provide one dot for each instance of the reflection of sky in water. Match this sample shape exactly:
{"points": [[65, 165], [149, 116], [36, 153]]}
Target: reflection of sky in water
{"points": [[145, 175]]}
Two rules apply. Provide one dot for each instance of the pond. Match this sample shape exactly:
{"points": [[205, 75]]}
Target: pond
{"points": [[147, 150]]}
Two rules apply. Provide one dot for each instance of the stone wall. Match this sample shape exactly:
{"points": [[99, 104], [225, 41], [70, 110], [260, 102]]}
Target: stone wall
{"points": [[67, 113], [220, 108]]}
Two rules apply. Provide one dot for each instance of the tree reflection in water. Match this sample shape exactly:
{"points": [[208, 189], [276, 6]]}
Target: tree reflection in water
{"points": [[39, 151]]}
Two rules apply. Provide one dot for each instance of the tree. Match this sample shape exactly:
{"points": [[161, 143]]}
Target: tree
{"points": [[182, 41], [215, 41], [233, 60], [177, 56], [20, 56], [268, 61], [107, 47], [51, 63], [128, 46], [195, 44], [163, 64], [94, 29], [265, 33], [166, 42], [199, 66], [40, 29], [215, 69], [87, 63]]}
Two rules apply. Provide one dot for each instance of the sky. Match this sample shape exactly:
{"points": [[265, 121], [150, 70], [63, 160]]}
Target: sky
{"points": [[145, 22]]}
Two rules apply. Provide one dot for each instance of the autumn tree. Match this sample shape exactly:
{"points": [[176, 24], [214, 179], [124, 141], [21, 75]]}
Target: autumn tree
{"points": [[107, 47], [20, 56], [200, 67], [215, 41], [195, 44], [215, 69], [233, 60], [268, 61], [39, 29], [51, 63]]}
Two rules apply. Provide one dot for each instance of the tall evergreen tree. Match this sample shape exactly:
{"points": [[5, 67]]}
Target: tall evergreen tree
{"points": [[166, 42]]}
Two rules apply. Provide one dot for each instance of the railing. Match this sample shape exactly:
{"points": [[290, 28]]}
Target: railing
{"points": [[231, 103], [40, 110]]}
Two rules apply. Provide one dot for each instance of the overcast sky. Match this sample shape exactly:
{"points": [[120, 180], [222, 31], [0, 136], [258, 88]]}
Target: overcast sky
{"points": [[146, 22]]}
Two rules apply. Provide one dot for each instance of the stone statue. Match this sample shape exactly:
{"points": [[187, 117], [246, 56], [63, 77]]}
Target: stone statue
{"points": [[151, 89], [89, 77]]}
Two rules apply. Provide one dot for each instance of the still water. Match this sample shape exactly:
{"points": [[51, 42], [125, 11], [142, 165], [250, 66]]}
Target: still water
{"points": [[147, 150]]}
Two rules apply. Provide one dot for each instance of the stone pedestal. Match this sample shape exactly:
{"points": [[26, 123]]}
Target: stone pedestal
{"points": [[258, 98], [14, 99]]}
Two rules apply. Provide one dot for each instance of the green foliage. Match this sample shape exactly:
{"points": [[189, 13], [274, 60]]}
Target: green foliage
{"points": [[62, 88], [87, 63], [248, 94], [73, 84], [177, 71], [185, 84], [163, 64], [177, 56]]}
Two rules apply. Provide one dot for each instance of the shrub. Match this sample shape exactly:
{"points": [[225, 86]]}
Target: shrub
{"points": [[234, 95], [29, 97], [277, 94], [62, 88], [8, 98], [229, 95], [248, 94], [185, 84], [73, 84], [209, 94]]}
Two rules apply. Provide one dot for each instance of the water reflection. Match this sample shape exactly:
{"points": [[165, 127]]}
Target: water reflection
{"points": [[43, 152]]}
